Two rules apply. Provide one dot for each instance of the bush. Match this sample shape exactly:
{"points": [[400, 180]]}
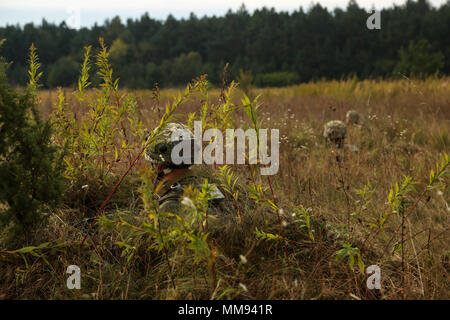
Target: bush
{"points": [[63, 73], [186, 67], [277, 79], [30, 176], [245, 80], [419, 60]]}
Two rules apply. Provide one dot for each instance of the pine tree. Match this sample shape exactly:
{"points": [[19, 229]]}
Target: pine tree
{"points": [[30, 175]]}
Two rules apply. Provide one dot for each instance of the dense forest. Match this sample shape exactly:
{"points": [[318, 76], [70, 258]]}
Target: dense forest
{"points": [[266, 47]]}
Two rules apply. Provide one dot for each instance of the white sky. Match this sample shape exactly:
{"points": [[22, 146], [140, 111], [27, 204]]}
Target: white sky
{"points": [[90, 11]]}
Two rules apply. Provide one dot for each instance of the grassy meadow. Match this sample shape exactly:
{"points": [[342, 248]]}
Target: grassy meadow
{"points": [[308, 232]]}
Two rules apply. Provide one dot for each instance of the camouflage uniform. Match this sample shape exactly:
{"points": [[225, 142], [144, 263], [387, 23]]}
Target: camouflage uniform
{"points": [[172, 178], [169, 188], [335, 132], [224, 222], [353, 117]]}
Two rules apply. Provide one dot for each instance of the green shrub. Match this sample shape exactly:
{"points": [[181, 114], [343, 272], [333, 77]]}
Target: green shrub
{"points": [[245, 80], [277, 79], [186, 67], [419, 60], [63, 73], [30, 175]]}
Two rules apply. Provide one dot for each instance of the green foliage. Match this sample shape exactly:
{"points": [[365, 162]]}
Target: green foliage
{"points": [[108, 133], [186, 67], [397, 195], [365, 202], [229, 182], [277, 79], [63, 72], [350, 253], [213, 115], [245, 80], [315, 43], [436, 176], [419, 60], [119, 50], [304, 221], [34, 73], [30, 171], [251, 109], [83, 80], [266, 236]]}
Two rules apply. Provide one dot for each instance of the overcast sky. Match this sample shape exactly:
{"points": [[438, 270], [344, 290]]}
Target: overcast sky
{"points": [[87, 12]]}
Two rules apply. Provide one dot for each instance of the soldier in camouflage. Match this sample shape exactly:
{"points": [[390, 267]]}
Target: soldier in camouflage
{"points": [[353, 118], [173, 177], [335, 132], [224, 223]]}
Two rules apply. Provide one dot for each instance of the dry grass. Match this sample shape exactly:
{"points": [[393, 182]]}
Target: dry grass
{"points": [[406, 130]]}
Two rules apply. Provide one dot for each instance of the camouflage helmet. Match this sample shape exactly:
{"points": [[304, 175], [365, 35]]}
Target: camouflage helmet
{"points": [[160, 151], [353, 117], [335, 131]]}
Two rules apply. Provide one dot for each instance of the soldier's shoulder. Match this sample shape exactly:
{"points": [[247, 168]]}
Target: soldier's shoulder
{"points": [[198, 175]]}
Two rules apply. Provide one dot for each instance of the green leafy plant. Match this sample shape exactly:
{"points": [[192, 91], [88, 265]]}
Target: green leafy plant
{"points": [[30, 171], [304, 221], [350, 253], [110, 131]]}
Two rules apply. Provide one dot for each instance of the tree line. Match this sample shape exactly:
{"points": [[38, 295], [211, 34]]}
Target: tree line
{"points": [[266, 47]]}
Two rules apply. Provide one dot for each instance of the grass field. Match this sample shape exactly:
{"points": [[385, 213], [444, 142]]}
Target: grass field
{"points": [[297, 234]]}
